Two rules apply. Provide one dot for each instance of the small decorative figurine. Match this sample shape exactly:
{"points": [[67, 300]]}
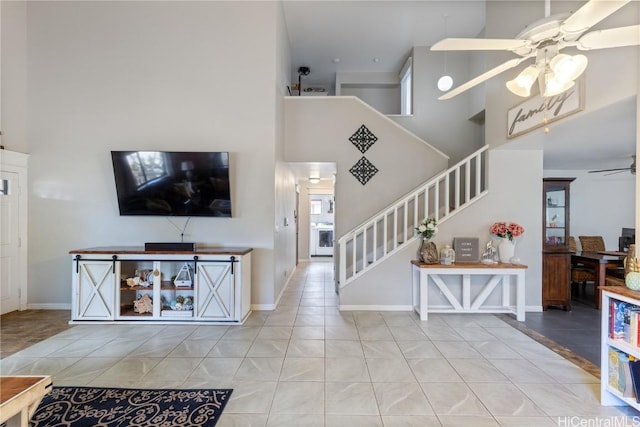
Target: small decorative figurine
{"points": [[143, 305], [184, 277], [490, 254]]}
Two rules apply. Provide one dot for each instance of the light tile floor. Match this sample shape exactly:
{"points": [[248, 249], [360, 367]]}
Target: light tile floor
{"points": [[308, 364]]}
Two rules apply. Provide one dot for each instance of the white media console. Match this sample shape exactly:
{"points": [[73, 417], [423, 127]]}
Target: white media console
{"points": [[125, 284]]}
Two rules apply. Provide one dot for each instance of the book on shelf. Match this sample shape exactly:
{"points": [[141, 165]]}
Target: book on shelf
{"points": [[614, 368], [616, 320], [634, 368], [625, 383]]}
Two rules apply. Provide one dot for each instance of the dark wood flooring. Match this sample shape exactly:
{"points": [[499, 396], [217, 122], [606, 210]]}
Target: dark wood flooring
{"points": [[21, 329]]}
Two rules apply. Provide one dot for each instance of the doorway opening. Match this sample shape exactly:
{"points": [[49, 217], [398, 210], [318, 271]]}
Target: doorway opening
{"points": [[321, 225]]}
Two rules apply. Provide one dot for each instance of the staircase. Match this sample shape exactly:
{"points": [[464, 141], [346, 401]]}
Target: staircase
{"points": [[378, 238]]}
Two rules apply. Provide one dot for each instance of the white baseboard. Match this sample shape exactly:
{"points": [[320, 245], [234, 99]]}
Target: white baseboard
{"points": [[528, 308], [49, 306], [376, 308], [286, 284], [263, 307]]}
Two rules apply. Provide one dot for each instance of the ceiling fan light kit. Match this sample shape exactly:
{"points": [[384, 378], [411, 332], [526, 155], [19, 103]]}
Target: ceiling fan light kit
{"points": [[567, 67], [555, 77], [556, 72], [521, 85]]}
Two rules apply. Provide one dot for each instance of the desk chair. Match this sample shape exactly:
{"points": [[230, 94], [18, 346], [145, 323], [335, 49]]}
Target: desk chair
{"points": [[579, 273]]}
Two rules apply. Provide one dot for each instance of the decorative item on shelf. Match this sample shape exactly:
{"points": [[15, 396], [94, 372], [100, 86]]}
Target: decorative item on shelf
{"points": [[507, 232], [631, 254], [428, 252], [447, 255], [466, 249], [183, 279], [490, 255], [632, 279], [182, 303], [143, 305]]}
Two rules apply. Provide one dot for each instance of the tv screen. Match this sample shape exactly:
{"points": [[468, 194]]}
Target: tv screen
{"points": [[172, 183]]}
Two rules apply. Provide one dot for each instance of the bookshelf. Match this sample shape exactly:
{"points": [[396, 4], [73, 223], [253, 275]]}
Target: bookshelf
{"points": [[615, 348]]}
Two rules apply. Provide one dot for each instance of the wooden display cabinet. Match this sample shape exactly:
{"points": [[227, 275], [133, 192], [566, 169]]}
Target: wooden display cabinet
{"points": [[556, 256]]}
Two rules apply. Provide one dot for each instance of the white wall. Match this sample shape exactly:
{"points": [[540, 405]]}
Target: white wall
{"points": [[284, 179], [512, 175], [13, 83], [147, 75], [402, 160], [444, 124], [379, 90], [385, 99], [600, 205]]}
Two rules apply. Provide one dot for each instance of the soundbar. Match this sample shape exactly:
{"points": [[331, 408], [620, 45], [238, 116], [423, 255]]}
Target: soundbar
{"points": [[170, 247]]}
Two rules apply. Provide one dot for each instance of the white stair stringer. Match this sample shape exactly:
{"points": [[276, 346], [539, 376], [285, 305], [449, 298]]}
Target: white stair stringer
{"points": [[391, 229]]}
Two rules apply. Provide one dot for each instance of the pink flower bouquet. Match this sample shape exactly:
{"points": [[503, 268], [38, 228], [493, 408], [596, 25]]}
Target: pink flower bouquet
{"points": [[508, 230]]}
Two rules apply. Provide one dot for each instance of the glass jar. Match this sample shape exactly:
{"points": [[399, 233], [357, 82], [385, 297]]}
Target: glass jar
{"points": [[447, 255]]}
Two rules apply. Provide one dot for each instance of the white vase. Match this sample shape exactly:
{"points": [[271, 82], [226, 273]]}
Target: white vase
{"points": [[506, 249]]}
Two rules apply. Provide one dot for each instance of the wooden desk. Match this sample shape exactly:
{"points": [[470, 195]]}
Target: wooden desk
{"points": [[421, 273], [599, 262], [22, 395]]}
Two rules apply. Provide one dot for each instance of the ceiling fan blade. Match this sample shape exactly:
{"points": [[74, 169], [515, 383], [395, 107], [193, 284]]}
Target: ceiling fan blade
{"points": [[482, 77], [611, 170], [480, 44], [613, 37], [590, 14]]}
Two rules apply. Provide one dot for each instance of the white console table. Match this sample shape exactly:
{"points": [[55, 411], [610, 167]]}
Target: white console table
{"points": [[426, 274]]}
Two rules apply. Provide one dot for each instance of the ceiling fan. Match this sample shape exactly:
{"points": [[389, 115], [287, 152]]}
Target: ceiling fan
{"points": [[631, 169], [543, 39]]}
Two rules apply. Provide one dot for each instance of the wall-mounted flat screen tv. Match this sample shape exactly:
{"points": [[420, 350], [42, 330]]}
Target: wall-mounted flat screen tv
{"points": [[171, 183]]}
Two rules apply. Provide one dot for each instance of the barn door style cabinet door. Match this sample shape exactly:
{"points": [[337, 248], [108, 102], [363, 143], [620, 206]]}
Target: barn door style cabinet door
{"points": [[216, 289], [94, 289], [556, 257]]}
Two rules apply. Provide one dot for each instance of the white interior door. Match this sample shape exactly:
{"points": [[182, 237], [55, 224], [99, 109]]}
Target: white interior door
{"points": [[9, 242]]}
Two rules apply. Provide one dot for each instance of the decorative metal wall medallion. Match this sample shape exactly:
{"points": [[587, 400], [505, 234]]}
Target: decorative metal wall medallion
{"points": [[363, 170], [363, 139]]}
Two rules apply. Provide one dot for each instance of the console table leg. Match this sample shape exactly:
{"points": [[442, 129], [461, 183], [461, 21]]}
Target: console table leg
{"points": [[424, 279], [520, 296]]}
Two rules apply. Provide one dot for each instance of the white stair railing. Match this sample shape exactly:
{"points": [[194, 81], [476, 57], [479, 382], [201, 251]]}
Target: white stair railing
{"points": [[385, 233]]}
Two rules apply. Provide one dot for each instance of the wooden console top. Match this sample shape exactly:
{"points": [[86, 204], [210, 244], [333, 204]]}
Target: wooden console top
{"points": [[139, 250], [461, 265]]}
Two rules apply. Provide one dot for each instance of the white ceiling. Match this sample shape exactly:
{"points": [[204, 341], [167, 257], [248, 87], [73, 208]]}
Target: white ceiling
{"points": [[377, 36]]}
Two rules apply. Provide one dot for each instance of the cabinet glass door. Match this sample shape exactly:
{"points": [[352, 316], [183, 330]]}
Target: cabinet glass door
{"points": [[555, 234]]}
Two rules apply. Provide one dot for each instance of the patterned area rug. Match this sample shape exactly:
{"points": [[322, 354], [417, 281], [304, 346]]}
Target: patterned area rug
{"points": [[118, 407]]}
